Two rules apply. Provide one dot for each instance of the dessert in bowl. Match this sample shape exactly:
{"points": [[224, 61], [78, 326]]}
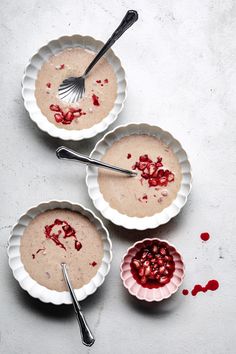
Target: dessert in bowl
{"points": [[105, 88], [152, 270], [161, 186], [59, 232]]}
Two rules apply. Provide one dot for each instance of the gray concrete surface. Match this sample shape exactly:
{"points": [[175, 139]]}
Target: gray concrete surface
{"points": [[180, 64]]}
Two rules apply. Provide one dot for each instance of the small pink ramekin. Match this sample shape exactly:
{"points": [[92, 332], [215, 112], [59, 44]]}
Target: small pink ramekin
{"points": [[147, 294]]}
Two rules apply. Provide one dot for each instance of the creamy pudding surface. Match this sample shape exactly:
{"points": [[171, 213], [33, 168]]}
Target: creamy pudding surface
{"points": [[57, 236], [155, 186], [100, 89]]}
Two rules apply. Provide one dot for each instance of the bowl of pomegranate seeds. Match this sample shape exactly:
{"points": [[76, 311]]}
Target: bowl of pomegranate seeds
{"points": [[152, 270]]}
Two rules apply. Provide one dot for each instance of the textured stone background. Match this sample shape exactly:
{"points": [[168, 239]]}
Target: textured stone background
{"points": [[180, 64]]}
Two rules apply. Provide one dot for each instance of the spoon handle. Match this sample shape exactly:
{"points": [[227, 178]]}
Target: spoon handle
{"points": [[129, 19], [64, 153], [86, 334]]}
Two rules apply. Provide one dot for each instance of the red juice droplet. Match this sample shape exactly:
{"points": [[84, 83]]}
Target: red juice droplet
{"points": [[185, 292], [211, 285], [95, 100], [205, 236]]}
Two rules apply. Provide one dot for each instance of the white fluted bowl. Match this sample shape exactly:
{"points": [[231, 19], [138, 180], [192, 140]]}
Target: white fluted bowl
{"points": [[154, 294], [147, 222], [31, 73], [30, 285]]}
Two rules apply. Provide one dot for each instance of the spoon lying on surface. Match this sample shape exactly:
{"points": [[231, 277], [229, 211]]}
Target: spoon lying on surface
{"points": [[73, 88], [64, 153], [86, 334]]}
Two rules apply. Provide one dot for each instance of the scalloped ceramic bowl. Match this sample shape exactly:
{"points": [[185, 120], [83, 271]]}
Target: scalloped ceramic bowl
{"points": [[114, 215], [30, 285], [155, 294], [31, 73]]}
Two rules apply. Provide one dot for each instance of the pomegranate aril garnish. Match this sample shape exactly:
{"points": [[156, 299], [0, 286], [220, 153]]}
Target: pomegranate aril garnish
{"points": [[128, 156], [106, 81], [49, 84], [58, 117], [55, 108], [151, 171], [154, 263], [66, 229]]}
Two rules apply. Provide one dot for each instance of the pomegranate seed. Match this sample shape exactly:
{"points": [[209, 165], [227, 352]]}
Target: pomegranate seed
{"points": [[147, 270], [161, 270], [151, 275], [168, 258], [149, 255], [136, 263], [166, 272], [144, 255], [153, 260], [143, 280], [55, 108], [77, 114], [152, 182], [141, 271], [146, 263], [162, 251], [49, 84], [170, 265], [69, 116], [164, 280], [160, 262], [58, 117], [171, 177], [106, 81], [155, 266], [154, 248], [158, 277]]}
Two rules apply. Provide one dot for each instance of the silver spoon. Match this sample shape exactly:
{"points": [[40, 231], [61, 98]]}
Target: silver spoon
{"points": [[73, 88], [86, 334], [64, 153]]}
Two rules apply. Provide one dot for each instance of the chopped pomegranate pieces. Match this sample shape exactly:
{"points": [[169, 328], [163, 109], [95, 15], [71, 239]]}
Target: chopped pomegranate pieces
{"points": [[152, 172], [68, 231], [66, 117], [153, 266]]}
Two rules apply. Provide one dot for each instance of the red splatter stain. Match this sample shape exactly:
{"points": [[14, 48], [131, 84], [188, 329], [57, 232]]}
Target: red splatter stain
{"points": [[95, 100], [205, 236], [185, 292], [129, 156], [93, 264], [212, 285]]}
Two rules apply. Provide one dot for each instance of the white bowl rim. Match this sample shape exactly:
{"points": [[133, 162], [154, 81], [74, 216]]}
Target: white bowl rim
{"points": [[134, 223], [64, 134], [44, 294]]}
